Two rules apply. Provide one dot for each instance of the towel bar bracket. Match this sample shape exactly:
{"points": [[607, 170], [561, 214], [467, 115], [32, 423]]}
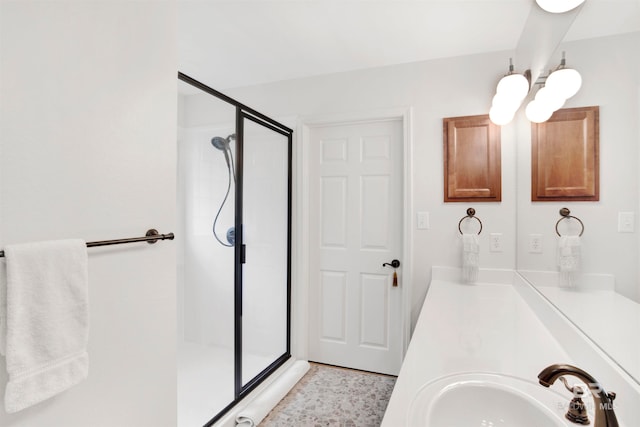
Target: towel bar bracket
{"points": [[152, 232]]}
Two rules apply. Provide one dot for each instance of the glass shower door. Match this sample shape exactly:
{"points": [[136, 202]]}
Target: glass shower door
{"points": [[206, 190], [265, 251]]}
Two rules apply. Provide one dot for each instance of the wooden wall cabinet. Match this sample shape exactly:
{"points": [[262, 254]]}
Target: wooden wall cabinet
{"points": [[565, 156], [472, 168]]}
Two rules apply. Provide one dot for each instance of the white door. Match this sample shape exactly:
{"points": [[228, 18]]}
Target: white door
{"points": [[355, 218]]}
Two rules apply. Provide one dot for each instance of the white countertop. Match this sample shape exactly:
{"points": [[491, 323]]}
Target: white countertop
{"points": [[471, 328], [610, 319]]}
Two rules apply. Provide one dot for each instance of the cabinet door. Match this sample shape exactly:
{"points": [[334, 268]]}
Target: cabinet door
{"points": [[472, 169], [564, 156]]}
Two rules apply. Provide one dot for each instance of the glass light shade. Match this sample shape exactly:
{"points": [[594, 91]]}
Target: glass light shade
{"points": [[501, 116], [514, 85], [566, 82], [537, 112], [503, 101], [559, 6], [550, 99]]}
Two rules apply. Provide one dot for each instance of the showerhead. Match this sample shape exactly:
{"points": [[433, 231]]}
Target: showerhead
{"points": [[219, 142], [223, 144]]}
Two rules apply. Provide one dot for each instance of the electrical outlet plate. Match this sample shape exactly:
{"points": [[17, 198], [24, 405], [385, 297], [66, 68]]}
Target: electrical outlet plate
{"points": [[535, 243], [495, 242]]}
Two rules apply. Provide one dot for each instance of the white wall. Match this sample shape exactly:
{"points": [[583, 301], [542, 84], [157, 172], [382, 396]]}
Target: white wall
{"points": [[88, 137], [435, 89]]}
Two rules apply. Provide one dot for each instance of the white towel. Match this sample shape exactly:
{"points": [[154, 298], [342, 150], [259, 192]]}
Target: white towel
{"points": [[47, 320], [569, 260], [256, 410], [470, 256]]}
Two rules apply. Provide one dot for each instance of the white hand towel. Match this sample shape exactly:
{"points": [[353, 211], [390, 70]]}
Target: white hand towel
{"points": [[47, 320], [569, 260], [470, 257]]}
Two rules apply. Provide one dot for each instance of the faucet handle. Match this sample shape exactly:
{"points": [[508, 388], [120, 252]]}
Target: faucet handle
{"points": [[577, 412], [576, 389]]}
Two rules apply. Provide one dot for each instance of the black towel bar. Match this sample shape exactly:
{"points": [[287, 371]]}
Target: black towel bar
{"points": [[152, 236]]}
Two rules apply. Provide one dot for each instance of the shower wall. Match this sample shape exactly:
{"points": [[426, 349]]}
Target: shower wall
{"points": [[208, 266]]}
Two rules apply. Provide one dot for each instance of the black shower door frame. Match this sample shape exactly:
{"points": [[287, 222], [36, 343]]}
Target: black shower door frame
{"points": [[244, 113], [241, 116]]}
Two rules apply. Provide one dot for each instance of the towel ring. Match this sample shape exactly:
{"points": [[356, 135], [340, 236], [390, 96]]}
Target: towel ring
{"points": [[470, 214], [565, 214]]}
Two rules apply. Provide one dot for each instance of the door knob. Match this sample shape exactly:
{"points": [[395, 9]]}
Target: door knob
{"points": [[394, 264]]}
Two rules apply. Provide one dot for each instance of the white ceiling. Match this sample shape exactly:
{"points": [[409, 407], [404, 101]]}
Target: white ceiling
{"points": [[234, 43]]}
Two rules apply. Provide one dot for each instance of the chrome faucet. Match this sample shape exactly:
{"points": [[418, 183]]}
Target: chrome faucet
{"points": [[604, 415]]}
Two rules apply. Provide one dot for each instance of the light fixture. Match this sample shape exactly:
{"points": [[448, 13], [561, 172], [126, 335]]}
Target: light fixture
{"points": [[510, 92], [500, 116], [515, 86], [560, 85], [559, 6], [550, 99], [537, 112], [565, 81]]}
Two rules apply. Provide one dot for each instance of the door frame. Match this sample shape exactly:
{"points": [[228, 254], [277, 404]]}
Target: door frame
{"points": [[300, 338]]}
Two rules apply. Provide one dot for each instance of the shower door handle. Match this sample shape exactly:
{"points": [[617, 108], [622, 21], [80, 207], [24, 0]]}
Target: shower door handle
{"points": [[243, 254]]}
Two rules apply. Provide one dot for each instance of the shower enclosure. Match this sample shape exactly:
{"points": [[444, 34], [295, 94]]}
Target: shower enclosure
{"points": [[234, 284]]}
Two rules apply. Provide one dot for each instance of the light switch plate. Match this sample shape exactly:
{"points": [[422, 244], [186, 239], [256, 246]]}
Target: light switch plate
{"points": [[423, 220], [626, 222]]}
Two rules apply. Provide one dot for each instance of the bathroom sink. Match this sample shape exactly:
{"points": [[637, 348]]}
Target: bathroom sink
{"points": [[486, 400]]}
